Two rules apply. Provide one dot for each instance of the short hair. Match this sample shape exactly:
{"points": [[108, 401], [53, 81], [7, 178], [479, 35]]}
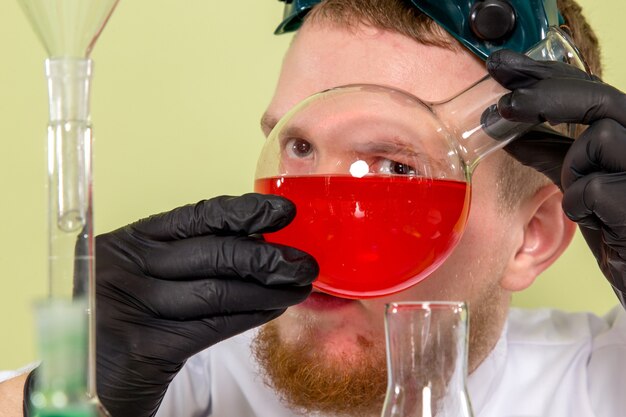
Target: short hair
{"points": [[402, 17], [516, 182]]}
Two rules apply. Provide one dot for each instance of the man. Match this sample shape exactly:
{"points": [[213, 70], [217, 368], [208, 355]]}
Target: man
{"points": [[174, 284]]}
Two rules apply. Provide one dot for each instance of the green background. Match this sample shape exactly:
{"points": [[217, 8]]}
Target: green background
{"points": [[179, 88]]}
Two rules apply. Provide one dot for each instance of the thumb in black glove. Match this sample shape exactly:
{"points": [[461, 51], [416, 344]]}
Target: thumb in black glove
{"points": [[591, 170], [176, 283]]}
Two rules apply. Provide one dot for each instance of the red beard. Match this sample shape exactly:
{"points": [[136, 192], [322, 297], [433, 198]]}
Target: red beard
{"points": [[306, 381]]}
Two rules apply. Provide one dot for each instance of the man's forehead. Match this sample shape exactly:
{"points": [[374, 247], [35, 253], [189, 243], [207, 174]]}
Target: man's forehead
{"points": [[325, 56]]}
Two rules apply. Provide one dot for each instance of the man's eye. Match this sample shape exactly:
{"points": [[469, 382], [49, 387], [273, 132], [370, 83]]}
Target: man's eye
{"points": [[298, 148], [401, 169], [396, 168]]}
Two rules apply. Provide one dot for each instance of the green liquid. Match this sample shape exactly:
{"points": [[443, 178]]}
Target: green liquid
{"points": [[77, 411], [65, 413]]}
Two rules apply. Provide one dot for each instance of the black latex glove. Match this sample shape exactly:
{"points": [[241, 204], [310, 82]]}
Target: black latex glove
{"points": [[591, 170], [176, 283]]}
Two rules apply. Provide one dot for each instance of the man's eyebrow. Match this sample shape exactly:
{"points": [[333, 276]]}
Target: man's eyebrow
{"points": [[388, 147], [268, 122]]}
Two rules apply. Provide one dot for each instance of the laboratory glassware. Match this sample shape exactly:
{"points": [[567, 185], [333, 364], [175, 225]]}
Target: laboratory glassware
{"points": [[426, 360], [381, 179], [65, 383]]}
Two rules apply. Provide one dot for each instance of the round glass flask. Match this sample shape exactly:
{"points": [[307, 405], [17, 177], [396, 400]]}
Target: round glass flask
{"points": [[381, 179]]}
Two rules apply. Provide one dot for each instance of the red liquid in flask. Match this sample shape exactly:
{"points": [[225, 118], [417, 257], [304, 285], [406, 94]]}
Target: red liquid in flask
{"points": [[371, 236]]}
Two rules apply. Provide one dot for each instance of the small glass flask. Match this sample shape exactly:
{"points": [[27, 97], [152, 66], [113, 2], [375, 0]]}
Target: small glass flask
{"points": [[426, 360]]}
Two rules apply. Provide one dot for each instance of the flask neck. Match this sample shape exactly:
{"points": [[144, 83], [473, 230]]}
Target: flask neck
{"points": [[69, 81], [473, 120], [427, 360], [67, 319], [69, 177]]}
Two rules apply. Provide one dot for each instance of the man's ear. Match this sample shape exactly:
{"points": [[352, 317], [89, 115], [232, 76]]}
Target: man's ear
{"points": [[547, 232]]}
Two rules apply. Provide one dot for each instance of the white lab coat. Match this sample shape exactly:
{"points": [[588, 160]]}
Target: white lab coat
{"points": [[546, 364]]}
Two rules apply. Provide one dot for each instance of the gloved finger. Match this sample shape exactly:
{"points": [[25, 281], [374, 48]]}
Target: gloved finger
{"points": [[564, 100], [191, 300], [153, 338], [228, 256], [196, 335], [243, 215], [223, 327], [187, 300], [514, 70], [542, 149], [585, 202], [602, 147]]}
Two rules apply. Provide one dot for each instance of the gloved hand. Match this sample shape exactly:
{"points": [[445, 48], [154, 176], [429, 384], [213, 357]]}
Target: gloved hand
{"points": [[591, 170], [176, 283]]}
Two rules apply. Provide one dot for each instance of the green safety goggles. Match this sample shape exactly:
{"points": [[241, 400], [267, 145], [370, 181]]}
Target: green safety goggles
{"points": [[483, 26]]}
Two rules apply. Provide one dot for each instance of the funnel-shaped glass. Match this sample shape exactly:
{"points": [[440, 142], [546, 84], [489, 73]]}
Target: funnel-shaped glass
{"points": [[66, 382], [68, 28], [381, 179]]}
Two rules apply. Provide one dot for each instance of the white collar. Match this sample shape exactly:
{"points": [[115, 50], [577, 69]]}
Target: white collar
{"points": [[485, 380]]}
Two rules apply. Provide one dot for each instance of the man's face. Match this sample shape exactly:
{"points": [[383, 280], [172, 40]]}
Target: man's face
{"points": [[328, 339]]}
